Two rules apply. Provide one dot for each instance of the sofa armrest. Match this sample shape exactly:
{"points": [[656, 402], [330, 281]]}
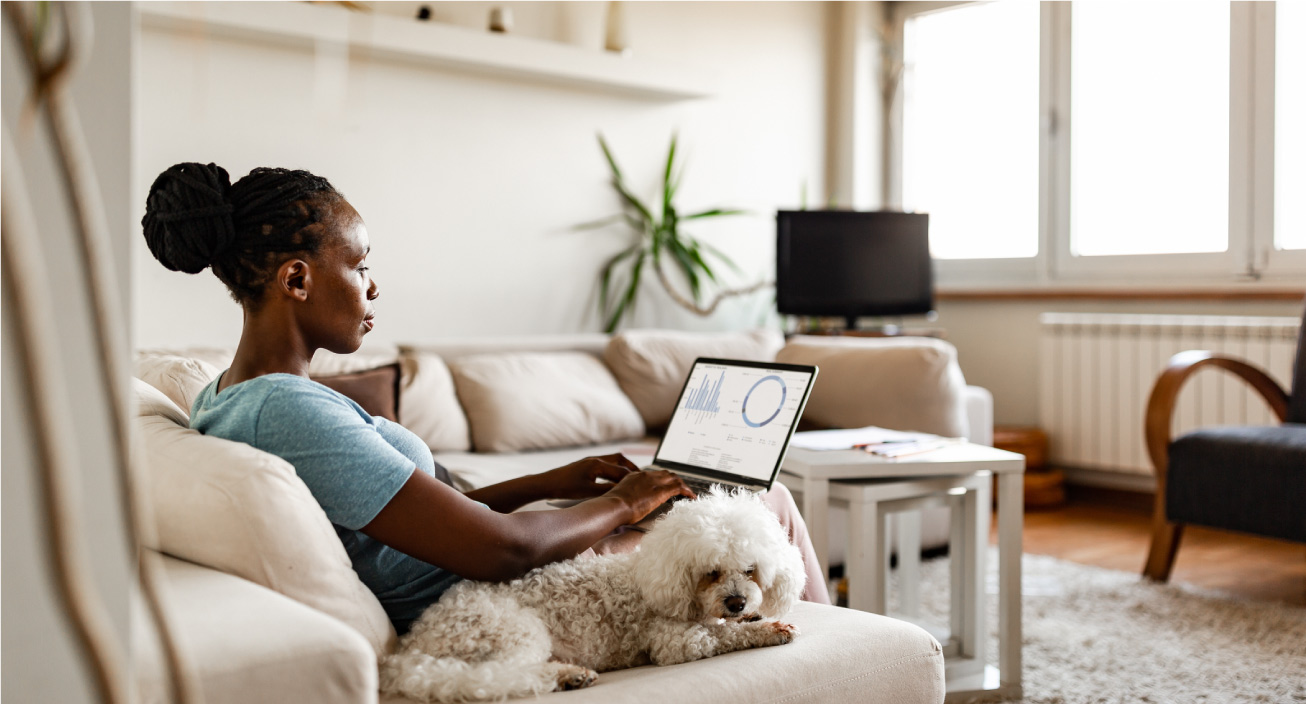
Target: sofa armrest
{"points": [[979, 414], [248, 644]]}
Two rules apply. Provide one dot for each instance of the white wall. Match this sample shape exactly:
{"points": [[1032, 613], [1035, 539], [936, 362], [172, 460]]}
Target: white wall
{"points": [[469, 185]]}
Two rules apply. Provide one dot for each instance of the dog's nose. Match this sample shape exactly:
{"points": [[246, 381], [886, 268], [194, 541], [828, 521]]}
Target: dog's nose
{"points": [[735, 604]]}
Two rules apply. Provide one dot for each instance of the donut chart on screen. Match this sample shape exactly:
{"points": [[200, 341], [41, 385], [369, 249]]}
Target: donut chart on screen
{"points": [[762, 412]]}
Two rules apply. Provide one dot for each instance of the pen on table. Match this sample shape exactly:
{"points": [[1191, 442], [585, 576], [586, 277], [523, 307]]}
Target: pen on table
{"points": [[877, 443]]}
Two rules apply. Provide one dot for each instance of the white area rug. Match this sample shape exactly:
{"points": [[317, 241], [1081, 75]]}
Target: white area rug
{"points": [[1095, 635]]}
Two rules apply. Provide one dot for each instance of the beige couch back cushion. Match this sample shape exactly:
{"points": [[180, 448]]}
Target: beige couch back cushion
{"points": [[239, 510], [428, 404], [651, 365], [180, 377], [537, 400], [906, 383]]}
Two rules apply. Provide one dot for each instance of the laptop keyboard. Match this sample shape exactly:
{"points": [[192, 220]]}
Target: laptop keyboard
{"points": [[698, 486]]}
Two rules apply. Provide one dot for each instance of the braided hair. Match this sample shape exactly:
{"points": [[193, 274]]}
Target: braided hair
{"points": [[195, 218]]}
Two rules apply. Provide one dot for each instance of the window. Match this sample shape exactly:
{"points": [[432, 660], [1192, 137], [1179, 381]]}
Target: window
{"points": [[1122, 143], [970, 129], [1290, 126], [1149, 136]]}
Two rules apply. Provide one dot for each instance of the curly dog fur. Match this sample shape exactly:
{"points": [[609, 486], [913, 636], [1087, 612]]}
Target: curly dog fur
{"points": [[712, 576]]}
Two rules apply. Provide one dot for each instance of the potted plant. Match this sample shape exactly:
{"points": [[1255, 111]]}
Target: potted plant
{"points": [[658, 242]]}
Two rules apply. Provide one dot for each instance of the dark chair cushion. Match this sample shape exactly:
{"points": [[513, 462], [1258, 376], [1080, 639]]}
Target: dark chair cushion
{"points": [[1250, 479]]}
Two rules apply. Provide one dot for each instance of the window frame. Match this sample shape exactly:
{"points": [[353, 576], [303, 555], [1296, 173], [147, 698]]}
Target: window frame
{"points": [[1251, 257]]}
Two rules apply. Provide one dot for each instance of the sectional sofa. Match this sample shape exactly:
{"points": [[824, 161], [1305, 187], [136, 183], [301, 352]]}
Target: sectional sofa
{"points": [[262, 593]]}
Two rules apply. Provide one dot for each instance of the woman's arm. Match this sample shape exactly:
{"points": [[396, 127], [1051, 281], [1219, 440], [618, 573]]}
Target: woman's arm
{"points": [[578, 480], [432, 522]]}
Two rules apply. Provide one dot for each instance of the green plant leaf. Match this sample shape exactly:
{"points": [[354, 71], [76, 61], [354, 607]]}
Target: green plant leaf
{"points": [[612, 163], [635, 203], [602, 222], [697, 256], [668, 190], [618, 182], [627, 300], [605, 278], [725, 258], [715, 212], [687, 266]]}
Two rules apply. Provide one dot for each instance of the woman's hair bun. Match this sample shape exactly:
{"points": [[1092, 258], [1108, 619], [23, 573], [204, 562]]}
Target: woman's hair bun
{"points": [[188, 216]]}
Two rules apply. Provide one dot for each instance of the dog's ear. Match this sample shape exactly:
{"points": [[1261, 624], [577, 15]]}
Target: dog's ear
{"points": [[786, 587], [665, 580]]}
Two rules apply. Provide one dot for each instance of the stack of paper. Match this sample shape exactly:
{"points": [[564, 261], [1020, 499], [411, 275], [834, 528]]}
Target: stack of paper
{"points": [[878, 441]]}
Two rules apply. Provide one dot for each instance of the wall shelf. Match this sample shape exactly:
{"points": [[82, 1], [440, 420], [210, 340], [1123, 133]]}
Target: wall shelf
{"points": [[445, 46]]}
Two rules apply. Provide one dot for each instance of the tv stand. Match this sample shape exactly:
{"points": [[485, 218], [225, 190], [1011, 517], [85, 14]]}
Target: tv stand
{"points": [[851, 329]]}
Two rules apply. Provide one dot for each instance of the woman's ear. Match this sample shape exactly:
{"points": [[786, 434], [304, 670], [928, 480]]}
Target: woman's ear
{"points": [[294, 279]]}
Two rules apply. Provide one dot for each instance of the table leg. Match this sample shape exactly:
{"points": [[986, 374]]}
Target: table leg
{"points": [[971, 556], [1011, 522], [981, 518], [867, 562], [909, 562], [956, 567], [815, 508]]}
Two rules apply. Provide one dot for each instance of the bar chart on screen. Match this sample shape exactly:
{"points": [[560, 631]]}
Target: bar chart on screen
{"points": [[704, 401]]}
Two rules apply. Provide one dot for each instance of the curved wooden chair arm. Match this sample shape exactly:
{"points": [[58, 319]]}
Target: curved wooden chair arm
{"points": [[1161, 403]]}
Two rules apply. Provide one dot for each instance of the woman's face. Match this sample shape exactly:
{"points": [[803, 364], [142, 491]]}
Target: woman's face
{"points": [[343, 290]]}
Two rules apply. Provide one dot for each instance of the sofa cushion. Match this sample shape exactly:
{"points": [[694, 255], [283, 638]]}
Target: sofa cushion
{"points": [[840, 655], [651, 365], [1245, 478], [536, 400], [376, 390], [239, 510], [429, 404], [905, 383], [179, 377], [249, 645]]}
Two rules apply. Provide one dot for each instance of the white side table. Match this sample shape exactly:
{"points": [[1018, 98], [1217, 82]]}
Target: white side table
{"points": [[957, 476]]}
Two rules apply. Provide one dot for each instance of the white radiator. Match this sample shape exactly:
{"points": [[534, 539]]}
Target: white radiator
{"points": [[1097, 370]]}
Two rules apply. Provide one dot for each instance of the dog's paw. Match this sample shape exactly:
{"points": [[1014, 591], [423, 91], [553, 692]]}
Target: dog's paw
{"points": [[779, 633], [575, 677]]}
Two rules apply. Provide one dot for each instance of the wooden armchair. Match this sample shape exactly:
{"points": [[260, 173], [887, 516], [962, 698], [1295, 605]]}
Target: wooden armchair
{"points": [[1249, 479]]}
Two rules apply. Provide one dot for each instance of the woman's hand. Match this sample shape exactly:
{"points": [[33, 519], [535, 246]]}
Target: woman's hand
{"points": [[581, 479], [644, 491]]}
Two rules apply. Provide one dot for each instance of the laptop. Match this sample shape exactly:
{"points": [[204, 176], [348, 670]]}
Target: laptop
{"points": [[733, 422]]}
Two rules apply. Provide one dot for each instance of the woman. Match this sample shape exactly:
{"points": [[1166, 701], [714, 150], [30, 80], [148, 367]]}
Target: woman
{"points": [[293, 254]]}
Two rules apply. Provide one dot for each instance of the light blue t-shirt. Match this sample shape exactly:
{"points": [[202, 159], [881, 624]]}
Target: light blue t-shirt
{"points": [[352, 462]]}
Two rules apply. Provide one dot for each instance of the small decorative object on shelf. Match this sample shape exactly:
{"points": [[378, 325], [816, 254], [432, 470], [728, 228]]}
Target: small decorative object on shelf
{"points": [[424, 12], [500, 19], [615, 39]]}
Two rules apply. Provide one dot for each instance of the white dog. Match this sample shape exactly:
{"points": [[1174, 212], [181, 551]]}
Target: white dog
{"points": [[711, 577]]}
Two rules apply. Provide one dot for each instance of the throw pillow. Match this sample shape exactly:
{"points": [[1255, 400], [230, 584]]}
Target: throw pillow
{"points": [[537, 400], [233, 508], [376, 390], [651, 365], [905, 383], [430, 403]]}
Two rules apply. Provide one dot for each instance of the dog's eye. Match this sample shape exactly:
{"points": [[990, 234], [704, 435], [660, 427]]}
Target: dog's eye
{"points": [[750, 571], [713, 575]]}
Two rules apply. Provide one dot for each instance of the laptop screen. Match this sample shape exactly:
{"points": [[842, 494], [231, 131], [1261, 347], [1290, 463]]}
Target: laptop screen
{"points": [[734, 419]]}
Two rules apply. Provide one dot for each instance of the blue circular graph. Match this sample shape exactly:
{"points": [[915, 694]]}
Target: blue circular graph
{"points": [[784, 392]]}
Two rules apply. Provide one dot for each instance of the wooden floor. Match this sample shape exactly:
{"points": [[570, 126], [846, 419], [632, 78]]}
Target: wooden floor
{"points": [[1113, 529]]}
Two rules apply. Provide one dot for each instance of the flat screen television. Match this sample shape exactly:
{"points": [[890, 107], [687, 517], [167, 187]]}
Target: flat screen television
{"points": [[851, 264]]}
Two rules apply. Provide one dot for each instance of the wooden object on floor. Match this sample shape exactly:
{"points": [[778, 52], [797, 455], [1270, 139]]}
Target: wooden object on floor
{"points": [[1044, 487]]}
